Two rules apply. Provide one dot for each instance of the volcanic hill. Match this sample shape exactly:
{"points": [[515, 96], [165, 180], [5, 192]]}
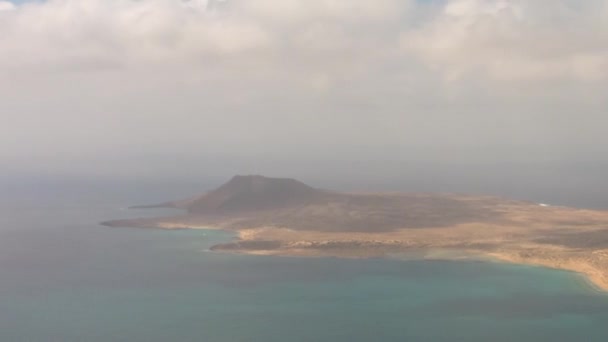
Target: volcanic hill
{"points": [[258, 201], [286, 217]]}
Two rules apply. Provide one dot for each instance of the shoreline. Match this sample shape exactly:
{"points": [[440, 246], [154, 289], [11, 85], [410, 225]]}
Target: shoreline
{"points": [[592, 280], [282, 216], [588, 265]]}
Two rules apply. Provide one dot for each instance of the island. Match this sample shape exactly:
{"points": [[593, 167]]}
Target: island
{"points": [[281, 216]]}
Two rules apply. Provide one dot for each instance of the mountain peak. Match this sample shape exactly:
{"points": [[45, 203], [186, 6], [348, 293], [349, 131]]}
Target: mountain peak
{"points": [[254, 192], [258, 182]]}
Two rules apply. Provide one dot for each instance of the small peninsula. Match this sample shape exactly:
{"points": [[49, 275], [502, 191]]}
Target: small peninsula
{"points": [[281, 216]]}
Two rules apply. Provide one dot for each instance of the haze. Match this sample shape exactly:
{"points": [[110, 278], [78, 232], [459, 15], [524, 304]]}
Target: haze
{"points": [[168, 89]]}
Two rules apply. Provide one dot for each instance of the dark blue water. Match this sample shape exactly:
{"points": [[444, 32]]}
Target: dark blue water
{"points": [[65, 278]]}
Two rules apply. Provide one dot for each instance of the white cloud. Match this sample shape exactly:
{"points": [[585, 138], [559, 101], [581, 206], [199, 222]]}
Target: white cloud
{"points": [[295, 11], [6, 6], [514, 40], [124, 76], [119, 32], [503, 40]]}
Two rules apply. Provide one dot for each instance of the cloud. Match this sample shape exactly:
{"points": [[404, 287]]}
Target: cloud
{"points": [[63, 32], [499, 39], [460, 79], [126, 31], [515, 40], [6, 6]]}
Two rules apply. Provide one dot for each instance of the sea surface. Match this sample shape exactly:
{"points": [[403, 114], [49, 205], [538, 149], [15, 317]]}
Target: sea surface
{"points": [[66, 278]]}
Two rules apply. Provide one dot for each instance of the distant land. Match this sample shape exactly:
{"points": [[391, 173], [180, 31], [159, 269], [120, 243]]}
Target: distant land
{"points": [[281, 216]]}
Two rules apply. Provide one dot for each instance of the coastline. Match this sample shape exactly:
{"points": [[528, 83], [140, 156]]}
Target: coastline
{"points": [[281, 216], [593, 278], [578, 249]]}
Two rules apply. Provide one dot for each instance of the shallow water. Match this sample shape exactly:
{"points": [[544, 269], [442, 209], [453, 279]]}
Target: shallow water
{"points": [[65, 278]]}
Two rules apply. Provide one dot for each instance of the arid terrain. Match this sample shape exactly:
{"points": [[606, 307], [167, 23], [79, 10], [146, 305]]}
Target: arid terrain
{"points": [[286, 217]]}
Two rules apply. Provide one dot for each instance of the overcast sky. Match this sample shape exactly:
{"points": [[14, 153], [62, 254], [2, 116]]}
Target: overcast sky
{"points": [[124, 87]]}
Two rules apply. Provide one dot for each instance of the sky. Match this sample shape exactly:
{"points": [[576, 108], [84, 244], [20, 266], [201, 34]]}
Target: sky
{"points": [[178, 88]]}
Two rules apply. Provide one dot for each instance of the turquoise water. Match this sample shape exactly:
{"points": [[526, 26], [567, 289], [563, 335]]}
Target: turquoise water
{"points": [[64, 278]]}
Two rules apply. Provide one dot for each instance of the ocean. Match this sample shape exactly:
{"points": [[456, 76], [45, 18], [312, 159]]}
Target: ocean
{"points": [[66, 278]]}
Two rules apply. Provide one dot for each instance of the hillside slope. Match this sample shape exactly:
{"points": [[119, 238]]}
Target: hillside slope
{"points": [[258, 201]]}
